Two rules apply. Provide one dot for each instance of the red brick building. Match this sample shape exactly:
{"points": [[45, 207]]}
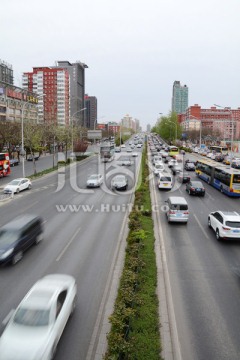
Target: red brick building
{"points": [[53, 107], [225, 120]]}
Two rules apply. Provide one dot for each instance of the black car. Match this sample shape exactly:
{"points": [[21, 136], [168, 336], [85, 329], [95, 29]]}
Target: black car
{"points": [[18, 235], [236, 165], [195, 188], [183, 177], [219, 158], [189, 166]]}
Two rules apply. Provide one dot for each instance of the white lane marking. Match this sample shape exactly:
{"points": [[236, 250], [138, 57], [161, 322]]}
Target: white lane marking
{"points": [[8, 317], [68, 244], [201, 227], [28, 207], [172, 347]]}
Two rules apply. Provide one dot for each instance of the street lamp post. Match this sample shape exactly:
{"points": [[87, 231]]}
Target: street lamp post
{"points": [[72, 117], [232, 122], [22, 150], [200, 129], [175, 123]]}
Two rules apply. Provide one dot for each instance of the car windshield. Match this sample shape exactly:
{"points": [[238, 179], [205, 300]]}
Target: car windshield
{"points": [[233, 224], [197, 184], [31, 317], [14, 182], [8, 237], [165, 178], [93, 177]]}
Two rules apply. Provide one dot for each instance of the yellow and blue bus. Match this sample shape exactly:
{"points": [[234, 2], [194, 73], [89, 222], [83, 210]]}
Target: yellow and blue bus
{"points": [[223, 178], [173, 150]]}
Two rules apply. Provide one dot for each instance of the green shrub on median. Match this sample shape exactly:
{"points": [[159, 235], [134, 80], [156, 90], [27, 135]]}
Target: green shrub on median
{"points": [[134, 333]]}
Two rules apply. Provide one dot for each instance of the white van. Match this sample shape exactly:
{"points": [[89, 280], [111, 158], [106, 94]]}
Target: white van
{"points": [[177, 209], [165, 181]]}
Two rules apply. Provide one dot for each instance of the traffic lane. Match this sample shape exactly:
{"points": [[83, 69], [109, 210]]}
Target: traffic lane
{"points": [[58, 233], [203, 277]]}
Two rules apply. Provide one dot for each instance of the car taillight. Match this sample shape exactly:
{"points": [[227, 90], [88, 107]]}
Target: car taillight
{"points": [[186, 212], [172, 212], [225, 228], [192, 188]]}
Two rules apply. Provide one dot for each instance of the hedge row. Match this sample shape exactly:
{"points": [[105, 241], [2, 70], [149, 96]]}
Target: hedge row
{"points": [[135, 330]]}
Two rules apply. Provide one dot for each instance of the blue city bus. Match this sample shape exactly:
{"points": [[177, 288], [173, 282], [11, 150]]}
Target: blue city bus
{"points": [[223, 178]]}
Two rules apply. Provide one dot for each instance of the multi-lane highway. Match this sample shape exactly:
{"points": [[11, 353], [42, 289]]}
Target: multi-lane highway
{"points": [[204, 277], [83, 230]]}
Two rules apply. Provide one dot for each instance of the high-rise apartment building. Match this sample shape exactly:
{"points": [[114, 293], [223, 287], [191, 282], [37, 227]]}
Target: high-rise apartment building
{"points": [[128, 122], [6, 73], [77, 89], [90, 112], [52, 86], [179, 97]]}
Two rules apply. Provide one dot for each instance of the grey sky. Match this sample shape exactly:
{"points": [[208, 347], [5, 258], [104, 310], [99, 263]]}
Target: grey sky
{"points": [[135, 49]]}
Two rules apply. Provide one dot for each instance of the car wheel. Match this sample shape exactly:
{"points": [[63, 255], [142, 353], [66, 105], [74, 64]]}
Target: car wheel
{"points": [[17, 191], [208, 181], [209, 222], [17, 257], [221, 189], [29, 187], [218, 235], [39, 238]]}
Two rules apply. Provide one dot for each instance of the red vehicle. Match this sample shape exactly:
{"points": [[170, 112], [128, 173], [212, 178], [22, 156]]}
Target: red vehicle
{"points": [[4, 164]]}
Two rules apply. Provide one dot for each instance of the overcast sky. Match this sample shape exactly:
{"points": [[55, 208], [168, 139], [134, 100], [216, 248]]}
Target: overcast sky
{"points": [[134, 49]]}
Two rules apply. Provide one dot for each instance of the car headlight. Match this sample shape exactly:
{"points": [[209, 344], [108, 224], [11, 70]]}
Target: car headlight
{"points": [[6, 254]]}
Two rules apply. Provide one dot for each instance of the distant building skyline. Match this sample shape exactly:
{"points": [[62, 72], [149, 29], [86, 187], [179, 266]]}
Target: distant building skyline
{"points": [[179, 97]]}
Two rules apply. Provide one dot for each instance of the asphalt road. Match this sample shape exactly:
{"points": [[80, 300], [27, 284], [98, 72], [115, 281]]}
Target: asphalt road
{"points": [[81, 235], [204, 278]]}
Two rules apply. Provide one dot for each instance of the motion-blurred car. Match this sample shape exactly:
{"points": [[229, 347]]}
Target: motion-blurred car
{"points": [[183, 177], [236, 164], [95, 180], [158, 168], [117, 149], [172, 162], [17, 185], [30, 157], [14, 162], [219, 157], [17, 236], [134, 154], [37, 324], [226, 224], [189, 166], [227, 160], [129, 150], [195, 188], [176, 169], [119, 182], [125, 162]]}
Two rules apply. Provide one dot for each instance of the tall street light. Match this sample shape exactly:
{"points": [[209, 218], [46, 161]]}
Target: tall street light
{"points": [[175, 123], [72, 117], [200, 129], [232, 122], [22, 150]]}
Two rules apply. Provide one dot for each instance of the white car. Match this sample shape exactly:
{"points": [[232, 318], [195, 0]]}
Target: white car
{"points": [[163, 153], [158, 168], [123, 146], [226, 224], [165, 181], [36, 326], [17, 185], [172, 163], [134, 154], [125, 162], [95, 180], [129, 149], [119, 182], [139, 146]]}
